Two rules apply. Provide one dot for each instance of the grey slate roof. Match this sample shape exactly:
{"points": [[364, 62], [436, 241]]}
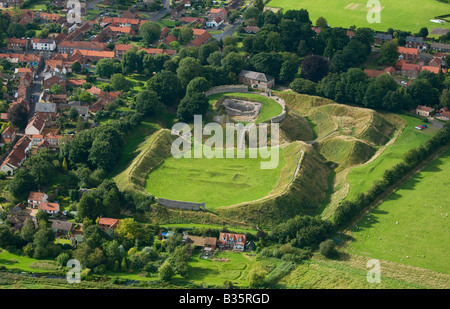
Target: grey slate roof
{"points": [[256, 76]]}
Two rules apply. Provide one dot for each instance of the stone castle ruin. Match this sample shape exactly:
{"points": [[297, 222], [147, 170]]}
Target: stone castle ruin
{"points": [[241, 110], [181, 205]]}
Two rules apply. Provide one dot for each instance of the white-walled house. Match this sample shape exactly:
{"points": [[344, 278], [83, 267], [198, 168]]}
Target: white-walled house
{"points": [[50, 208], [36, 198], [44, 44]]}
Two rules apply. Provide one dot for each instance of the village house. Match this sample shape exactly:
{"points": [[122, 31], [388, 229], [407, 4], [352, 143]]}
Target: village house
{"points": [[408, 54], [62, 228], [232, 241], [410, 71], [206, 244], [441, 47], [380, 38], [201, 39], [68, 47], [16, 44], [251, 29], [108, 224], [35, 126], [54, 78], [177, 12], [8, 136], [133, 23], [193, 21], [256, 79], [36, 198], [413, 42], [424, 110], [17, 156], [43, 44], [443, 114], [50, 208]]}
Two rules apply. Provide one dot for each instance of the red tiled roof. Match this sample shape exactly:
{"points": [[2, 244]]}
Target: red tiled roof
{"points": [[202, 39], [49, 206], [431, 69], [110, 222], [407, 50], [36, 196]]}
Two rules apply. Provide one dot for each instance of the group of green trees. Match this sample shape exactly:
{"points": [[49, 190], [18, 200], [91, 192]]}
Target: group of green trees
{"points": [[355, 87]]}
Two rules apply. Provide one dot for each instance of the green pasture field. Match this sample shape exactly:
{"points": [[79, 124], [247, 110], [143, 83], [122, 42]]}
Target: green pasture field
{"points": [[214, 181], [398, 14], [269, 109], [411, 227], [361, 178]]}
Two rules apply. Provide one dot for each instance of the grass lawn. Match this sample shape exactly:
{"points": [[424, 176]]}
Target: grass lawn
{"points": [[11, 260], [411, 227], [398, 14], [215, 181], [216, 272], [269, 109], [362, 177]]}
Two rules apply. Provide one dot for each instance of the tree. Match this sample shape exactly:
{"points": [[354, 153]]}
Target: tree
{"points": [[16, 30], [256, 276], [147, 102], [120, 83], [22, 183], [314, 68], [27, 231], [18, 116], [128, 229], [63, 258], [166, 271], [233, 63], [188, 69], [328, 249], [321, 22], [197, 85], [190, 106], [251, 13], [378, 89], [81, 124], [73, 114], [302, 85], [168, 87], [150, 31], [389, 52], [130, 61], [185, 35], [105, 68], [76, 67], [444, 99]]}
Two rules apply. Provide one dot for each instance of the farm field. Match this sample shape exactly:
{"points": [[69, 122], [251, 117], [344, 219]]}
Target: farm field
{"points": [[207, 180], [269, 109], [361, 178], [411, 227], [398, 14]]}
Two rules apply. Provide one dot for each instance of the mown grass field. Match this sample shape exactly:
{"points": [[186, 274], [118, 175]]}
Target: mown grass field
{"points": [[411, 227], [398, 14], [269, 109], [361, 178], [214, 181]]}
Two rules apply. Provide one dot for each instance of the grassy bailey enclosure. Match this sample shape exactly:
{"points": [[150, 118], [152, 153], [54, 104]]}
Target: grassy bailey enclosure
{"points": [[300, 196]]}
